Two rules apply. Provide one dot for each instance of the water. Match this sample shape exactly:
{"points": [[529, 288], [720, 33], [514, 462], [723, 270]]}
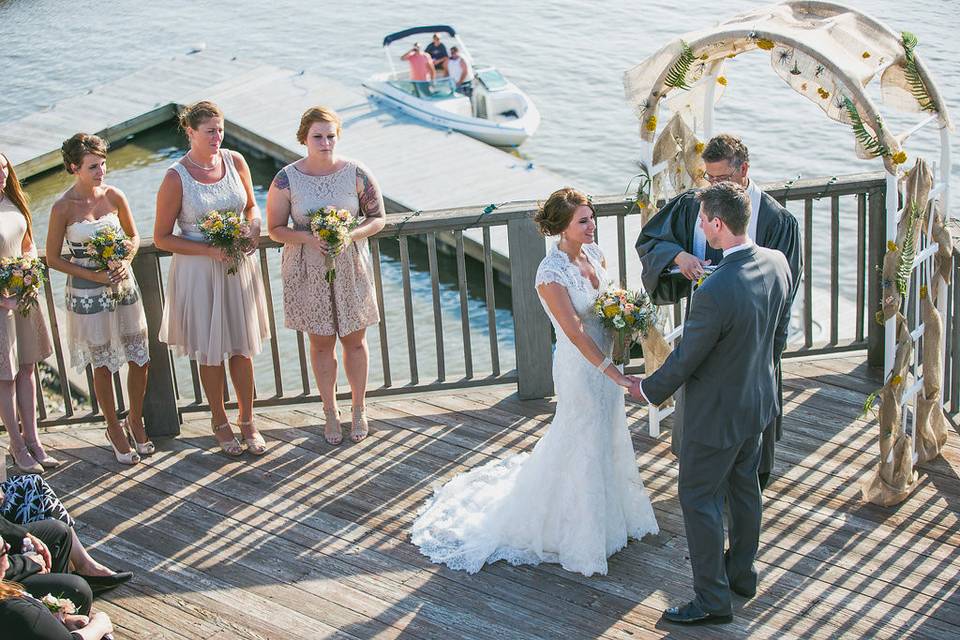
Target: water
{"points": [[569, 56]]}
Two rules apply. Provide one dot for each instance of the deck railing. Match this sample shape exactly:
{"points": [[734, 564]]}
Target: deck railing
{"points": [[491, 249]]}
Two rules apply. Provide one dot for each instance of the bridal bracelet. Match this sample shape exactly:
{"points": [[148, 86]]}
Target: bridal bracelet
{"points": [[602, 367]]}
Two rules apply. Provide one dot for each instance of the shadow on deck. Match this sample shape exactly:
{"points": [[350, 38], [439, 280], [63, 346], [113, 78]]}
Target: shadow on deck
{"points": [[311, 541]]}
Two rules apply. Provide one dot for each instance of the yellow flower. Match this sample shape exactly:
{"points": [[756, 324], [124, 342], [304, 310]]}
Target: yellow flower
{"points": [[611, 310], [107, 252], [651, 124], [865, 55], [629, 319], [899, 157], [705, 57], [891, 245], [765, 44], [897, 379], [824, 94], [698, 147], [16, 282], [923, 292], [722, 80]]}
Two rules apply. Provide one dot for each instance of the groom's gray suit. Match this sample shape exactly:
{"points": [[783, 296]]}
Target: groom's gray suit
{"points": [[735, 332]]}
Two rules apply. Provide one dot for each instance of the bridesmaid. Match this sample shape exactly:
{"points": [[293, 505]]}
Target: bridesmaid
{"points": [[212, 316], [24, 340], [320, 310], [102, 331]]}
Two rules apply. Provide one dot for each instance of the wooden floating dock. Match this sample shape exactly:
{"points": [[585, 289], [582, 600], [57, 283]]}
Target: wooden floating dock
{"points": [[312, 541]]}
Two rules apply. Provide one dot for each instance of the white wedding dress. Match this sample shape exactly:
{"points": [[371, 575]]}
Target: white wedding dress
{"points": [[574, 499]]}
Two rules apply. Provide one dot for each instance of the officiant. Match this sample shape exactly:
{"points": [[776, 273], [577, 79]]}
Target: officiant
{"points": [[674, 252]]}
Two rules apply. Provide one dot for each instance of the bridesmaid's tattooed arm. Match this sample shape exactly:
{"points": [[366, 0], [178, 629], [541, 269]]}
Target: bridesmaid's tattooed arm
{"points": [[371, 201], [281, 181]]}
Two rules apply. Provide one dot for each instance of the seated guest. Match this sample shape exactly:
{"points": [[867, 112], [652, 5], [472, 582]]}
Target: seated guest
{"points": [[459, 71], [38, 557], [28, 499], [438, 52], [24, 617]]}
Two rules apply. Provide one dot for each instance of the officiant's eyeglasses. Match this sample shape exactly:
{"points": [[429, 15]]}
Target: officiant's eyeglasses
{"points": [[715, 179]]}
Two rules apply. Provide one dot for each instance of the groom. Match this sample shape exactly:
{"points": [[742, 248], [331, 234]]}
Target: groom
{"points": [[735, 332]]}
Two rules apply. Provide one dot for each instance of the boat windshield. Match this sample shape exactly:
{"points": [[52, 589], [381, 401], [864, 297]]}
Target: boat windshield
{"points": [[492, 79], [439, 89]]}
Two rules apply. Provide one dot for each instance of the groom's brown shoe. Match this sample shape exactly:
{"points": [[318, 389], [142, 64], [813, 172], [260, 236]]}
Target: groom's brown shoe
{"points": [[691, 614]]}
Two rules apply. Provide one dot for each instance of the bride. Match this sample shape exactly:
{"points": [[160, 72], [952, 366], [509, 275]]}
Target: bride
{"points": [[577, 497]]}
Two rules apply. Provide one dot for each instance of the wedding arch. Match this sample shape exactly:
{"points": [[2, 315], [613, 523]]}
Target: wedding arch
{"points": [[830, 54]]}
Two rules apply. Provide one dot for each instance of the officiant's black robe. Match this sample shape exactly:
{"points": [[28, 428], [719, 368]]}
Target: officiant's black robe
{"points": [[670, 231]]}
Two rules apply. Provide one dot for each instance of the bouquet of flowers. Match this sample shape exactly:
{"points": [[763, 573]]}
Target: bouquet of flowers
{"points": [[22, 279], [59, 607], [229, 231], [628, 313], [108, 248], [334, 226]]}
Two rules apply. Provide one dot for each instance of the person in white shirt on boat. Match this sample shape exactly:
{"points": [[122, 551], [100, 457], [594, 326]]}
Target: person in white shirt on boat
{"points": [[459, 72]]}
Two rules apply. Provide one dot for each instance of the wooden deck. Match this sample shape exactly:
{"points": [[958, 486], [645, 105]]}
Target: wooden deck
{"points": [[311, 541]]}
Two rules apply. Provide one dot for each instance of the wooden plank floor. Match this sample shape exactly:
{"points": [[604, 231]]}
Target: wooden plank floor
{"points": [[311, 540]]}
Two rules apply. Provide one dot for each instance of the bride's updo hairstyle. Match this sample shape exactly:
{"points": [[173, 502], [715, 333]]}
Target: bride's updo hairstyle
{"points": [[555, 214]]}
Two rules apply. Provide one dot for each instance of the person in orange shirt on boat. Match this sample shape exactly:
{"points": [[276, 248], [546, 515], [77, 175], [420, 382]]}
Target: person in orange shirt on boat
{"points": [[421, 65]]}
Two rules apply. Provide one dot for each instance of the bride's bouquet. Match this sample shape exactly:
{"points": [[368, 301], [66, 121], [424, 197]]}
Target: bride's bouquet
{"points": [[228, 231], [333, 226], [108, 248], [628, 314], [22, 278]]}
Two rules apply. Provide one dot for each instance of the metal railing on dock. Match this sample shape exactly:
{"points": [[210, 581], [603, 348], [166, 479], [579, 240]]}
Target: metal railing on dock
{"points": [[843, 239]]}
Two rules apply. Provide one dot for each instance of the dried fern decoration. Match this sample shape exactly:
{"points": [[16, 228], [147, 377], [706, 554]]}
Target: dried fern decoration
{"points": [[677, 76], [867, 140], [908, 251], [917, 87]]}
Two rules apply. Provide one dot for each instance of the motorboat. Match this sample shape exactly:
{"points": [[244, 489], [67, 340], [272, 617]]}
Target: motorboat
{"points": [[487, 107]]}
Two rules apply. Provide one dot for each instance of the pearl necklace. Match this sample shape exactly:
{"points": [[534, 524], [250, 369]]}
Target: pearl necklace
{"points": [[197, 164]]}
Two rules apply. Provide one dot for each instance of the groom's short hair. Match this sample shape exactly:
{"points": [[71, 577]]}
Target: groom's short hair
{"points": [[728, 201]]}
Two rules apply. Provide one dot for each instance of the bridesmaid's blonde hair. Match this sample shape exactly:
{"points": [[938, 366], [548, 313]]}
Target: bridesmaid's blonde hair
{"points": [[193, 114], [314, 115]]}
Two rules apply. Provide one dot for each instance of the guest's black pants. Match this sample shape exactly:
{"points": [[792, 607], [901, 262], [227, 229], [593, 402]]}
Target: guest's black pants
{"points": [[57, 536]]}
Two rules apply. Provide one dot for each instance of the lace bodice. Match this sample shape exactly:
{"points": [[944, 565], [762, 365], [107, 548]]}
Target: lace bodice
{"points": [[309, 193], [227, 194], [556, 267]]}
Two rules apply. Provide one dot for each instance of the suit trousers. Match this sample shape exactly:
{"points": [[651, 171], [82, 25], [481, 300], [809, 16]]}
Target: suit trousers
{"points": [[709, 477]]}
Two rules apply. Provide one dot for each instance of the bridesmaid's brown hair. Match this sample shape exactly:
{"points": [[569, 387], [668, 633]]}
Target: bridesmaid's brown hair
{"points": [[79, 145]]}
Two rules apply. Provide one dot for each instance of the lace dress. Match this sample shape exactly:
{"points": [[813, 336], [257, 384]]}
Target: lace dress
{"points": [[103, 329], [209, 314], [23, 340], [310, 304], [574, 499]]}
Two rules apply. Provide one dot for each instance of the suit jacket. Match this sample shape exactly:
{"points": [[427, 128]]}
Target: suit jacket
{"points": [[735, 332], [670, 231]]}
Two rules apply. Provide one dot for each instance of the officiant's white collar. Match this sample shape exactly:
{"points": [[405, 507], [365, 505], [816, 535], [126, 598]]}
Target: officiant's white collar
{"points": [[739, 247], [755, 196]]}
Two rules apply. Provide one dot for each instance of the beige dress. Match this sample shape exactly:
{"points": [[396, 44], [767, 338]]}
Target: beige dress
{"points": [[23, 340], [106, 328], [209, 314], [310, 304]]}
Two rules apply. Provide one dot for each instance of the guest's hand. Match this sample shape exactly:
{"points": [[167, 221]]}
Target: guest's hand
{"points": [[635, 391], [102, 624], [74, 622], [690, 265], [40, 548], [38, 559], [8, 302], [117, 275], [130, 250]]}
